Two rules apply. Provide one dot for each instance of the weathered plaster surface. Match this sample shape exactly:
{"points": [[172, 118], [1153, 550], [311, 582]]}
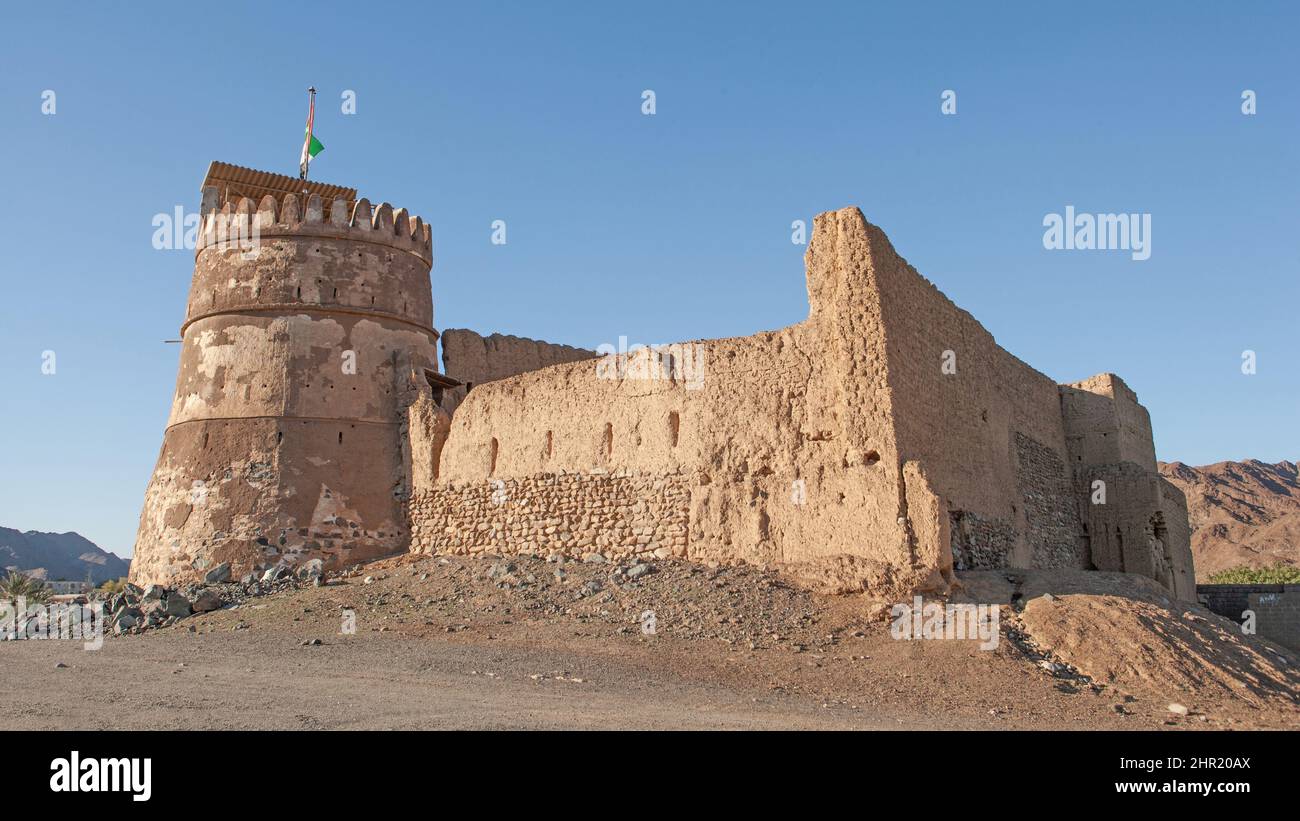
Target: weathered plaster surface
{"points": [[299, 357], [878, 445]]}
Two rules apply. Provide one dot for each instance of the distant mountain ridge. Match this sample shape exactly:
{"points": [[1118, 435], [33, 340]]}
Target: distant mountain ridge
{"points": [[55, 556], [1242, 513]]}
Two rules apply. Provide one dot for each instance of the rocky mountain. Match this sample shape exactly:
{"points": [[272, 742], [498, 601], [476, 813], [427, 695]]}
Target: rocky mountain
{"points": [[58, 556], [1242, 513]]}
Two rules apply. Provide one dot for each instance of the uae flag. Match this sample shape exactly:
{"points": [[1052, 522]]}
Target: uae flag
{"points": [[310, 145]]}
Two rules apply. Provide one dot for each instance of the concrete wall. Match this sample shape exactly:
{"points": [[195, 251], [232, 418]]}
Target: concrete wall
{"points": [[285, 439], [1276, 608]]}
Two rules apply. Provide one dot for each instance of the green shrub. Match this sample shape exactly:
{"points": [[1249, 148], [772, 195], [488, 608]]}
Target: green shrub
{"points": [[1277, 574], [112, 587]]}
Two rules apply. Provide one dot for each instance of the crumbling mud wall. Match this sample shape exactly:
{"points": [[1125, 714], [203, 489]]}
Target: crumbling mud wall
{"points": [[873, 446], [475, 359], [986, 425], [784, 439], [304, 334], [1134, 520], [879, 445]]}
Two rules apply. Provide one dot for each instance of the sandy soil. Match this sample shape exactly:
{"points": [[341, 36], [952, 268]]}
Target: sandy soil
{"points": [[473, 643]]}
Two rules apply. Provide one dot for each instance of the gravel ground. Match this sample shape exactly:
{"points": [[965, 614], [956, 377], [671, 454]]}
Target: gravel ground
{"points": [[487, 643]]}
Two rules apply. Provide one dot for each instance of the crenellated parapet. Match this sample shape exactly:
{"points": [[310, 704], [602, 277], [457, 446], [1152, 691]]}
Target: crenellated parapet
{"points": [[308, 216]]}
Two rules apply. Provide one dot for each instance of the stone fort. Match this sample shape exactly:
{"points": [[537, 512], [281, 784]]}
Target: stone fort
{"points": [[879, 445]]}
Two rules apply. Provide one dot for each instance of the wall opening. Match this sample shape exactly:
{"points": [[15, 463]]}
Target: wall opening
{"points": [[1161, 547], [674, 427], [550, 444], [492, 457], [608, 440]]}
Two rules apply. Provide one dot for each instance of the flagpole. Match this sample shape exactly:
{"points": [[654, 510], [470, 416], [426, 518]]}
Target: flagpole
{"points": [[305, 160]]}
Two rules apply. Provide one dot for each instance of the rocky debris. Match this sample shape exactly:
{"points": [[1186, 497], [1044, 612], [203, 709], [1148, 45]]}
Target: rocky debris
{"points": [[742, 605], [507, 575], [135, 610], [1015, 632], [1128, 636]]}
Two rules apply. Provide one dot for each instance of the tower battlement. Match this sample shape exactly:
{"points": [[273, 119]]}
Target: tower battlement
{"points": [[307, 217]]}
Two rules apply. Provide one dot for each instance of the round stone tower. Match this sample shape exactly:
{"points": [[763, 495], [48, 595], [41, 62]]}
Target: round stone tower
{"points": [[308, 328]]}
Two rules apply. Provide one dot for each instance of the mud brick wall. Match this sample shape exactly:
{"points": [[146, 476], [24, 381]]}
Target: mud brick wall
{"points": [[475, 359], [614, 514]]}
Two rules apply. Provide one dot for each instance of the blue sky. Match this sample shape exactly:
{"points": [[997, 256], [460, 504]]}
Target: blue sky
{"points": [[664, 227]]}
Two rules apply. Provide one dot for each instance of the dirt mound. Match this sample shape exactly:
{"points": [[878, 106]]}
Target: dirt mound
{"points": [[1125, 633]]}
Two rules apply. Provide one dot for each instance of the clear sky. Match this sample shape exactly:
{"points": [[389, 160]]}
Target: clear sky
{"points": [[665, 227]]}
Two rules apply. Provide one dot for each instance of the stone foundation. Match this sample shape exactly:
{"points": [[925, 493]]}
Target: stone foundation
{"points": [[614, 514]]}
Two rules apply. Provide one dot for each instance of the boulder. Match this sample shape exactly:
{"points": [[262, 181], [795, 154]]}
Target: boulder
{"points": [[177, 606], [122, 622], [218, 574], [206, 601], [311, 569], [276, 573]]}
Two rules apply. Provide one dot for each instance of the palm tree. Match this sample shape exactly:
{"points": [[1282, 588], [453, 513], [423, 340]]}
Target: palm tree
{"points": [[18, 584]]}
